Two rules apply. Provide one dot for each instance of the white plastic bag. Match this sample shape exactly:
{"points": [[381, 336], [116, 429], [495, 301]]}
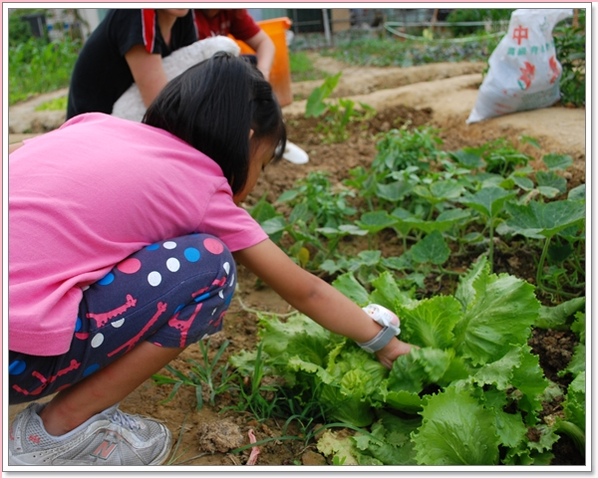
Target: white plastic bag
{"points": [[524, 73]]}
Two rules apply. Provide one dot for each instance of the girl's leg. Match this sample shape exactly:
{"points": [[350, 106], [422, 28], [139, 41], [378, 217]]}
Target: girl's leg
{"points": [[73, 406]]}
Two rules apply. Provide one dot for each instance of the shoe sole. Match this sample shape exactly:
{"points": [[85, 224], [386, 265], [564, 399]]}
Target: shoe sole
{"points": [[14, 461]]}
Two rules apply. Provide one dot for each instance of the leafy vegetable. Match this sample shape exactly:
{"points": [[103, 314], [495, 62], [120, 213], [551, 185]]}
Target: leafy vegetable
{"points": [[470, 395]]}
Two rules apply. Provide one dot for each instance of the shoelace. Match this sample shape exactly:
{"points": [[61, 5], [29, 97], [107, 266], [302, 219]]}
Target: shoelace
{"points": [[125, 420]]}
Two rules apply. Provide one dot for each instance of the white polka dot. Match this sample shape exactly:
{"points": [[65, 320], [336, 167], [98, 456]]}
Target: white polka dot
{"points": [[221, 294], [169, 245], [118, 323], [154, 279], [173, 264], [226, 267], [97, 340], [232, 281], [214, 311], [83, 289]]}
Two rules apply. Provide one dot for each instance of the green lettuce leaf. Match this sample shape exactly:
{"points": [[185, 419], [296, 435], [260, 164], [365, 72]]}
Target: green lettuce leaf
{"points": [[574, 404], [298, 335], [339, 446], [389, 442], [430, 322], [530, 382], [456, 430], [499, 312]]}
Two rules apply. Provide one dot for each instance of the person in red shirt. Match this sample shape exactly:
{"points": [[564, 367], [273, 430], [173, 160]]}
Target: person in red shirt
{"points": [[238, 23]]}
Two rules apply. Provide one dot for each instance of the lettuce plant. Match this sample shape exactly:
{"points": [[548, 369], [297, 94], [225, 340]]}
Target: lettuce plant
{"points": [[472, 394]]}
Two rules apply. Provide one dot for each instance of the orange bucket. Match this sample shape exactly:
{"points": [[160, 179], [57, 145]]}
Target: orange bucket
{"points": [[280, 76]]}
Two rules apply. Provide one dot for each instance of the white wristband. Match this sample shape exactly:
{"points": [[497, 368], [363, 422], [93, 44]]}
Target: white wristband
{"points": [[390, 323]]}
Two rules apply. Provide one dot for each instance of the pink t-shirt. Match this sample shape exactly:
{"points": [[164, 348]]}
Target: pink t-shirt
{"points": [[84, 197]]}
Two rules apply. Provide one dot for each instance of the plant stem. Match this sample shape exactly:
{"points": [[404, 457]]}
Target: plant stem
{"points": [[246, 308]]}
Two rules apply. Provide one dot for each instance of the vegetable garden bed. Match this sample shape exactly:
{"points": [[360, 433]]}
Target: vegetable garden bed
{"points": [[443, 222], [451, 242]]}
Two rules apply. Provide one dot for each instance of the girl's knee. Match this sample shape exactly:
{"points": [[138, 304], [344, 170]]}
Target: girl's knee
{"points": [[212, 281], [179, 288]]}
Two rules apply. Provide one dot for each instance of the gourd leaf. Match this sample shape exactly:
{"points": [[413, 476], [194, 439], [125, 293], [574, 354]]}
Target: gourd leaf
{"points": [[543, 220], [431, 249], [445, 220], [375, 221], [488, 201], [315, 104], [555, 161]]}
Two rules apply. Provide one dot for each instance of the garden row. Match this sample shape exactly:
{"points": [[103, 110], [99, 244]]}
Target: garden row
{"points": [[474, 393]]}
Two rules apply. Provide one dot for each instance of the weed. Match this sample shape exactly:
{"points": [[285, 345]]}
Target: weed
{"points": [[210, 375], [336, 114], [59, 103], [302, 68]]}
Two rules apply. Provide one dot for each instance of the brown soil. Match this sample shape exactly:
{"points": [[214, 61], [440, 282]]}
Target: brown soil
{"points": [[440, 95]]}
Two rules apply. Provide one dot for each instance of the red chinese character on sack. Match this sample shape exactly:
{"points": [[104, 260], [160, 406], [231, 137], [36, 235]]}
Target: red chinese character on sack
{"points": [[555, 70], [520, 33], [527, 74]]}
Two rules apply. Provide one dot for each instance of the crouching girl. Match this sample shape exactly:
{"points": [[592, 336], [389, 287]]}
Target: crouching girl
{"points": [[123, 243]]}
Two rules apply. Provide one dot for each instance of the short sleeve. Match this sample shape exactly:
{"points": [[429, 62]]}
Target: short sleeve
{"points": [[131, 27], [243, 25], [232, 224]]}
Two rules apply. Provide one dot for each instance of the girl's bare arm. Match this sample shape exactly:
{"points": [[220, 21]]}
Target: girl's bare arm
{"points": [[315, 297]]}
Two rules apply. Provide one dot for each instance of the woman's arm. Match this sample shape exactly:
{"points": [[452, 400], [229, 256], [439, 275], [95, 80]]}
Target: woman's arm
{"points": [[264, 47], [315, 297], [148, 72]]}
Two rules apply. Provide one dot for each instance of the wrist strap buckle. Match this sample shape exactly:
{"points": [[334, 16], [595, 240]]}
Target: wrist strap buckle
{"points": [[390, 323]]}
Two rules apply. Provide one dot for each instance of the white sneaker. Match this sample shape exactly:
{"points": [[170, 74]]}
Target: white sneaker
{"points": [[110, 438]]}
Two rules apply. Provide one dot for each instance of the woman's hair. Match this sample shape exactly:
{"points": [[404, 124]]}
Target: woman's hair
{"points": [[213, 105]]}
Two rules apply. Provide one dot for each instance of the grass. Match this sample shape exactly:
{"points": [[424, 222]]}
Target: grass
{"points": [[209, 378], [59, 103], [386, 52], [36, 67], [302, 68]]}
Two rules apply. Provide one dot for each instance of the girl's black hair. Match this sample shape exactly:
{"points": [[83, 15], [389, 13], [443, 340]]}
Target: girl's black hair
{"points": [[213, 105]]}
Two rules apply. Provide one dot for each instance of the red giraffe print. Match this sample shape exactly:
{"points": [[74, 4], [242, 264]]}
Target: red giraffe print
{"points": [[161, 308], [103, 318], [184, 325], [74, 365]]}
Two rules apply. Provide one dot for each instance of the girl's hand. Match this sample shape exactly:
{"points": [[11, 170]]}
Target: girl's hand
{"points": [[393, 350]]}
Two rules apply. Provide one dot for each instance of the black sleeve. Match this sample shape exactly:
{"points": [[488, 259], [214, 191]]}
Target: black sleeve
{"points": [[184, 31], [131, 27]]}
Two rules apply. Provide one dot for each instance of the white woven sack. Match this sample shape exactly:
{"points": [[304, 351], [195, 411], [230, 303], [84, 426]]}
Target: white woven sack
{"points": [[524, 72]]}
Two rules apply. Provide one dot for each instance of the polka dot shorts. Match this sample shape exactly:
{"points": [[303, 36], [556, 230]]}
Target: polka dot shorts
{"points": [[171, 293]]}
